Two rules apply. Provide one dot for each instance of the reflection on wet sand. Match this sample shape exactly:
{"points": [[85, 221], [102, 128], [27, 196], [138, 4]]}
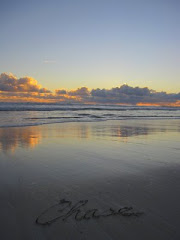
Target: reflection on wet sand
{"points": [[29, 137], [11, 138]]}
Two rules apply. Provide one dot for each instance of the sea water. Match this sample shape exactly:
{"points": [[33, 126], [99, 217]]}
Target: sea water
{"points": [[29, 114]]}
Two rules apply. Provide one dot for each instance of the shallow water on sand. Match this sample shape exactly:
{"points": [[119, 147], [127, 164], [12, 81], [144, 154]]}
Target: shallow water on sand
{"points": [[111, 164]]}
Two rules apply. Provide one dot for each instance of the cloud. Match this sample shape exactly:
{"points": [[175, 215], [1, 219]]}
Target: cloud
{"points": [[60, 91], [10, 83], [82, 92], [27, 89], [132, 95], [77, 95]]}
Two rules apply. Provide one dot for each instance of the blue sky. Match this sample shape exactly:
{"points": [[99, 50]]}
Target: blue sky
{"points": [[70, 44]]}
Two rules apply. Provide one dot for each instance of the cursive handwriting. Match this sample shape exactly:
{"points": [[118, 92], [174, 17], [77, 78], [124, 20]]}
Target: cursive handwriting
{"points": [[65, 209]]}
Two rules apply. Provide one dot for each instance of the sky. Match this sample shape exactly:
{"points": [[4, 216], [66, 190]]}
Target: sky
{"points": [[69, 44]]}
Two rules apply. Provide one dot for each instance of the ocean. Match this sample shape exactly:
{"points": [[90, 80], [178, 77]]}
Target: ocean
{"points": [[30, 114]]}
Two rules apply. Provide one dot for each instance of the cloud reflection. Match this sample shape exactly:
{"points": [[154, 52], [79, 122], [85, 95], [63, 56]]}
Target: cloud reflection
{"points": [[30, 137], [12, 138]]}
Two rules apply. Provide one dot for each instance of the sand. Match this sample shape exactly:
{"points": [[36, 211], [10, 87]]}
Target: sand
{"points": [[117, 180]]}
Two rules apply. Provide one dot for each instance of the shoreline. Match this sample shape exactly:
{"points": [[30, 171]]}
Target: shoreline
{"points": [[100, 120]]}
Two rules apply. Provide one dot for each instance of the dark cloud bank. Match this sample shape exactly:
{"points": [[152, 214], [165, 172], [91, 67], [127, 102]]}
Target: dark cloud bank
{"points": [[27, 89]]}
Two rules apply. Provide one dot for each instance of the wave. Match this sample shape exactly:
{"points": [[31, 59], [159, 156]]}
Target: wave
{"points": [[84, 109], [30, 114], [95, 116]]}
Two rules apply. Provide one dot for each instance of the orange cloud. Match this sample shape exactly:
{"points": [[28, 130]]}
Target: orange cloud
{"points": [[27, 89], [10, 83]]}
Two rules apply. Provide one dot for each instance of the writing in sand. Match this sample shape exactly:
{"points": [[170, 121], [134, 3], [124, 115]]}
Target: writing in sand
{"points": [[64, 209]]}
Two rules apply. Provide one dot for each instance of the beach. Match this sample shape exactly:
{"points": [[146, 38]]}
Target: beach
{"points": [[91, 180], [90, 120]]}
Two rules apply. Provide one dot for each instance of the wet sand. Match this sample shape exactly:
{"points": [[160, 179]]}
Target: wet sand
{"points": [[108, 166]]}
